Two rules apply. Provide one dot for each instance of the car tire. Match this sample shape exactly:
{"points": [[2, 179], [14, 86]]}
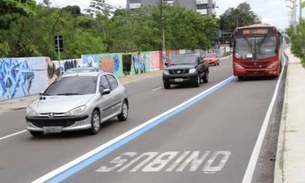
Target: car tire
{"points": [[95, 123], [166, 85], [36, 133], [206, 77], [197, 84], [240, 77], [124, 112]]}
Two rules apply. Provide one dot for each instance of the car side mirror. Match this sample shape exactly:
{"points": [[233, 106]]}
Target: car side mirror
{"points": [[104, 91], [166, 64]]}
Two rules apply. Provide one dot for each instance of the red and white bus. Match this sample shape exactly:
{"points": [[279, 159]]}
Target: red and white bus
{"points": [[256, 51]]}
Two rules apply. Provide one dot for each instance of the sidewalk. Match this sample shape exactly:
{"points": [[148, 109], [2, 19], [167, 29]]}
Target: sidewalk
{"points": [[290, 161], [23, 102]]}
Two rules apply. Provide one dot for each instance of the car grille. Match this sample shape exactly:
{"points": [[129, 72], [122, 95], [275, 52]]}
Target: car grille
{"points": [[41, 124], [179, 71]]}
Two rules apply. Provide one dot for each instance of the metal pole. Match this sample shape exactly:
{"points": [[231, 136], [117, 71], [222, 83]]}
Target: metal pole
{"points": [[210, 8], [163, 33], [58, 51], [300, 10]]}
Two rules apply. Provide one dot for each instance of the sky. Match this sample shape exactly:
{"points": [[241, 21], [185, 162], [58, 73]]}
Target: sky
{"points": [[273, 12]]}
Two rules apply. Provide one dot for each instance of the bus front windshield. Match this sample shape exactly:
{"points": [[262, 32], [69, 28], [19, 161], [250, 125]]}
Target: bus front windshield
{"points": [[255, 47]]}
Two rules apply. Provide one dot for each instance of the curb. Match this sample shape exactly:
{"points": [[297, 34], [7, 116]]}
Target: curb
{"points": [[279, 162]]}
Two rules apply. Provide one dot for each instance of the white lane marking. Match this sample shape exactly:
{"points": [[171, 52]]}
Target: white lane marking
{"points": [[156, 89], [14, 134], [259, 142]]}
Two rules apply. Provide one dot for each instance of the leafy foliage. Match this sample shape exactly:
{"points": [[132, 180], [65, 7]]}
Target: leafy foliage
{"points": [[240, 16], [30, 29], [297, 40]]}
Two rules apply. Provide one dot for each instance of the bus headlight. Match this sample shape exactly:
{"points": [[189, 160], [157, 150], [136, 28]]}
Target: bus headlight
{"points": [[238, 66], [273, 65]]}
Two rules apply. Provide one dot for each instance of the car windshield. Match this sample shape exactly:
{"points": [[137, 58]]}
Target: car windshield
{"points": [[79, 85], [183, 59], [255, 48]]}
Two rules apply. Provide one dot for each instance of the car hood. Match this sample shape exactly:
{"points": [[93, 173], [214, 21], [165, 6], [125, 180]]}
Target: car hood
{"points": [[180, 67], [209, 59], [59, 104]]}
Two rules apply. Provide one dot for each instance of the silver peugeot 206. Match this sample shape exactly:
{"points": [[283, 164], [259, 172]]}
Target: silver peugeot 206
{"points": [[78, 101]]}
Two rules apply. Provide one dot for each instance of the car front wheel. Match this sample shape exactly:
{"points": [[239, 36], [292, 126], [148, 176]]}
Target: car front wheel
{"points": [[124, 112], [166, 85], [95, 123]]}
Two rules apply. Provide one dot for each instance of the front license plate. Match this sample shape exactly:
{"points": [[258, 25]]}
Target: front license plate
{"points": [[52, 129], [179, 80]]}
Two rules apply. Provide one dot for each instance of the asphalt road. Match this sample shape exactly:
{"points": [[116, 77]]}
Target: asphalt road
{"points": [[210, 138]]}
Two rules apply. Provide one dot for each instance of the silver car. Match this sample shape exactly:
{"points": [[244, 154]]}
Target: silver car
{"points": [[78, 101]]}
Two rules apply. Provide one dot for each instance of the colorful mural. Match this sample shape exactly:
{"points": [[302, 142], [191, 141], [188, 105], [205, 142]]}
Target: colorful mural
{"points": [[109, 62], [22, 76], [155, 60], [140, 61]]}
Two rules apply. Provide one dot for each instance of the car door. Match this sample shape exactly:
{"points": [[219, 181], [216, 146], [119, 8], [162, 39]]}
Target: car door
{"points": [[117, 95], [105, 101]]}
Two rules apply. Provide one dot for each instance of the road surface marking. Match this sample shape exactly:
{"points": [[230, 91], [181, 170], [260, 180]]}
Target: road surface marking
{"points": [[156, 89], [156, 162], [259, 142], [96, 154], [14, 134]]}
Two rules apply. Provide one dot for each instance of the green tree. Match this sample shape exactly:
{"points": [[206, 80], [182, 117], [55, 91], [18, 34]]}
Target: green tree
{"points": [[240, 16], [297, 40]]}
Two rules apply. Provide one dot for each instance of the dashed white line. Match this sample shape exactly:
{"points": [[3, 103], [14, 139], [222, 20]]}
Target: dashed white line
{"points": [[14, 134], [156, 89]]}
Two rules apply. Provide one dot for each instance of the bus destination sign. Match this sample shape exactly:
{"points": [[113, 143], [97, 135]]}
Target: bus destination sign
{"points": [[255, 31]]}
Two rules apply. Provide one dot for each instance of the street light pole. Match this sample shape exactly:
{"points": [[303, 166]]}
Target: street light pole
{"points": [[300, 10], [293, 9], [163, 33]]}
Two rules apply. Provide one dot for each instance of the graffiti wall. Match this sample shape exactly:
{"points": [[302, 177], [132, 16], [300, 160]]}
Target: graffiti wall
{"points": [[20, 77], [141, 62], [155, 60], [110, 62]]}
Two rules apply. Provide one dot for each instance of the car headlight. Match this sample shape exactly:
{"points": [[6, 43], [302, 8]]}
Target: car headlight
{"points": [[76, 110], [31, 112], [166, 72], [192, 70], [273, 65], [238, 66]]}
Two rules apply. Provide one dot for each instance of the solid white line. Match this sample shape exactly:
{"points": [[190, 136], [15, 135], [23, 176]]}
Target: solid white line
{"points": [[14, 134], [118, 138], [259, 142], [156, 89]]}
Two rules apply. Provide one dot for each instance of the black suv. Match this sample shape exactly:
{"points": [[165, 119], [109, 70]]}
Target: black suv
{"points": [[186, 69]]}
